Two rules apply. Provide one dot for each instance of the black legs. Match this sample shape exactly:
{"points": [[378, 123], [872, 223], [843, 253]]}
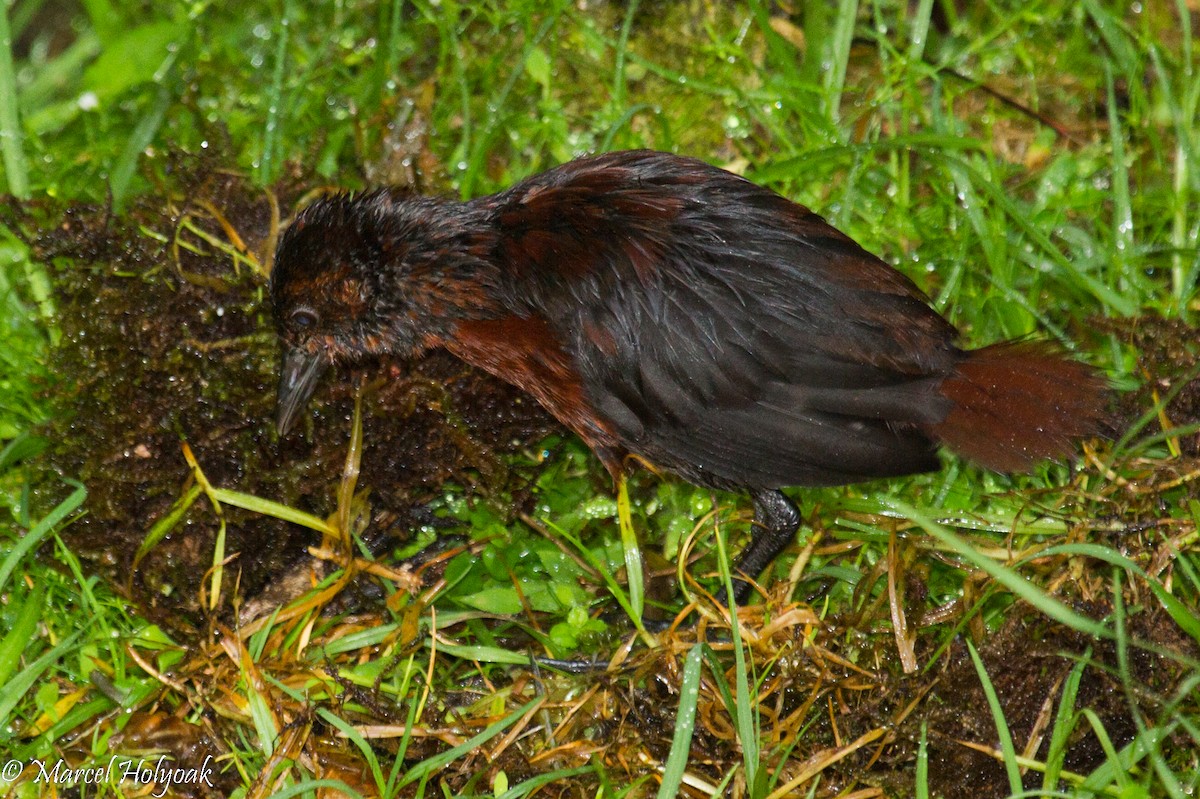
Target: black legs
{"points": [[776, 521]]}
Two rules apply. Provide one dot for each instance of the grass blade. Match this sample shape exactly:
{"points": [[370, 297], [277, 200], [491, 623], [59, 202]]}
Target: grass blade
{"points": [[1184, 616], [30, 540], [745, 719], [139, 140], [16, 170], [272, 508], [1006, 742], [1064, 723], [22, 632], [685, 724], [631, 550], [1010, 579], [839, 55], [12, 691], [271, 131], [922, 775]]}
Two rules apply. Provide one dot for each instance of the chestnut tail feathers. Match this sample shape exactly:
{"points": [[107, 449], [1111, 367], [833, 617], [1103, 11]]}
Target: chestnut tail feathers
{"points": [[1016, 403]]}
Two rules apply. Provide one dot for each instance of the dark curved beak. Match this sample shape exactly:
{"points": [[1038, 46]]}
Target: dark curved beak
{"points": [[298, 378]]}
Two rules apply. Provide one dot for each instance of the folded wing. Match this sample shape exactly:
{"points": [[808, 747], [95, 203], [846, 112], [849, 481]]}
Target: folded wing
{"points": [[726, 333]]}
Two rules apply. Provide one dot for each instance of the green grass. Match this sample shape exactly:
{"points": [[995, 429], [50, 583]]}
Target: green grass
{"points": [[1033, 166]]}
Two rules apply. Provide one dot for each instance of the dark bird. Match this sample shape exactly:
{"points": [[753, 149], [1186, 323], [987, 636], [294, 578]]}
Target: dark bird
{"points": [[673, 313]]}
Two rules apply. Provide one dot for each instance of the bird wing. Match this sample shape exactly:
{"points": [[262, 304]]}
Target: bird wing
{"points": [[725, 333]]}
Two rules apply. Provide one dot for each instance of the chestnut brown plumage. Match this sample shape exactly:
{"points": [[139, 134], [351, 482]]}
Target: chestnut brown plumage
{"points": [[669, 310]]}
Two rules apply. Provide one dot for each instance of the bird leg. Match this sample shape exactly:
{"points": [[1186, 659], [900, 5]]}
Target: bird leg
{"points": [[776, 520]]}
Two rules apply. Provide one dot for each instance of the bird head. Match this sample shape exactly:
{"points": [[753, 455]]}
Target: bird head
{"points": [[376, 273]]}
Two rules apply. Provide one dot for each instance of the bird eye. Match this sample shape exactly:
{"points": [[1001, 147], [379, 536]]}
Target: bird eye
{"points": [[304, 319]]}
